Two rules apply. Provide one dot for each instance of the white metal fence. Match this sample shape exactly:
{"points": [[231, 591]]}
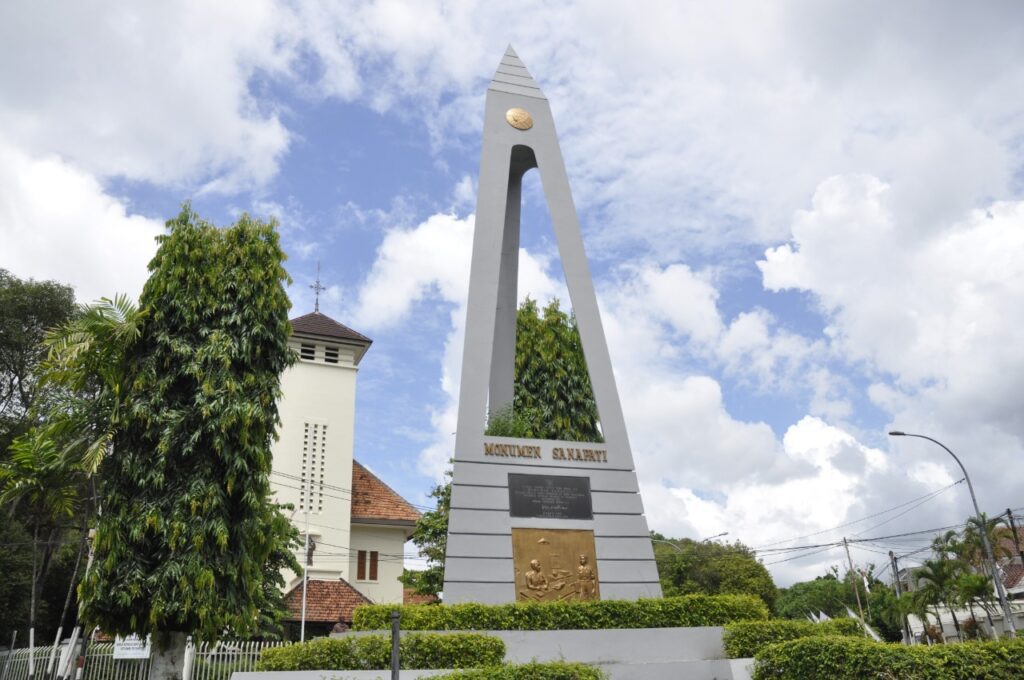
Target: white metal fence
{"points": [[218, 661], [100, 664], [203, 661], [15, 665]]}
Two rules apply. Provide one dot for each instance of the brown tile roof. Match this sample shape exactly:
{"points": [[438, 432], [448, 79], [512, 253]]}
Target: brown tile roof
{"points": [[324, 326], [410, 596], [326, 601], [1012, 575], [372, 499], [1006, 543]]}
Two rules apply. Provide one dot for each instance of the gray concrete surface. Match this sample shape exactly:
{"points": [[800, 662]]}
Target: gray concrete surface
{"points": [[479, 563]]}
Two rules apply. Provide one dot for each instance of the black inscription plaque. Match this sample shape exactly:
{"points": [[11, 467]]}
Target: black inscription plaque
{"points": [[549, 496]]}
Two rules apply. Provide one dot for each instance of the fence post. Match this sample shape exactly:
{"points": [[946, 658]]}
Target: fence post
{"points": [[395, 619], [190, 657], [10, 653]]}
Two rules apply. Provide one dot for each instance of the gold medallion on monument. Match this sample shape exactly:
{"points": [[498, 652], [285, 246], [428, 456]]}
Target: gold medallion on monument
{"points": [[520, 119], [553, 565]]}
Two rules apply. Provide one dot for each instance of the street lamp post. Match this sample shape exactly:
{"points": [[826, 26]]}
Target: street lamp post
{"points": [[676, 547], [1000, 590]]}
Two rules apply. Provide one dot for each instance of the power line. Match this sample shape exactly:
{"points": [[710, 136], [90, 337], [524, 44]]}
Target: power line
{"points": [[927, 496]]}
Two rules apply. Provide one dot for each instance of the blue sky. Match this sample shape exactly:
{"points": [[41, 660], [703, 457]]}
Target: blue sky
{"points": [[805, 220]]}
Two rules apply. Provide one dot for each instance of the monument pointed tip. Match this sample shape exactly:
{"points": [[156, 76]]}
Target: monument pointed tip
{"points": [[512, 76]]}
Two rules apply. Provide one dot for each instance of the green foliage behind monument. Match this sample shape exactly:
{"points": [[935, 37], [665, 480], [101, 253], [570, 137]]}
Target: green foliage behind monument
{"points": [[553, 398], [187, 527], [711, 568]]}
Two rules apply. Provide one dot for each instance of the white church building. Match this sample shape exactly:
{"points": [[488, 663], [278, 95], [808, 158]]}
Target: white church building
{"points": [[357, 525]]}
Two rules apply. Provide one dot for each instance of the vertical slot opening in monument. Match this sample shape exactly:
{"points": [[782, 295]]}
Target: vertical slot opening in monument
{"points": [[540, 384]]}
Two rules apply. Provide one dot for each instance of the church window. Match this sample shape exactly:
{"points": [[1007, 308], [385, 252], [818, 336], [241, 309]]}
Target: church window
{"points": [[366, 565], [307, 352]]}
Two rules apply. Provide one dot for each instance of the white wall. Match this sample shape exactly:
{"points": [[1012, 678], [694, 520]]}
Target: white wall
{"points": [[321, 394], [390, 543]]}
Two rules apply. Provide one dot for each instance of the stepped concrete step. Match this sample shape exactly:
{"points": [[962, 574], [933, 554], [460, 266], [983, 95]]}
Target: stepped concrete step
{"points": [[607, 646], [717, 669]]}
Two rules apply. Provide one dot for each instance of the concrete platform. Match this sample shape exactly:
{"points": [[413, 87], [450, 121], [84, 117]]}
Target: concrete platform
{"points": [[624, 654]]}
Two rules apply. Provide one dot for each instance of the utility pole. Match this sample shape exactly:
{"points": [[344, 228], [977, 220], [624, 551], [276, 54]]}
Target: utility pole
{"points": [[1016, 538], [1009, 624], [853, 582], [305, 572], [907, 637]]}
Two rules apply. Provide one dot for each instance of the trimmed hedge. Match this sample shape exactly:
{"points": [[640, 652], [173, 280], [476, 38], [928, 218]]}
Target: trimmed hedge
{"points": [[529, 671], [424, 651], [746, 638], [669, 612], [849, 658]]}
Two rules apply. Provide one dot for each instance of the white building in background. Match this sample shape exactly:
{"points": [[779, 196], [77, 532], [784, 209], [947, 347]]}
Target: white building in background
{"points": [[357, 525]]}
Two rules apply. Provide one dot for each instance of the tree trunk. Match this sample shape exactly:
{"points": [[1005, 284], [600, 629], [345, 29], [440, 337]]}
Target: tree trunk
{"points": [[167, 656], [74, 574], [956, 622], [991, 623], [938, 619]]}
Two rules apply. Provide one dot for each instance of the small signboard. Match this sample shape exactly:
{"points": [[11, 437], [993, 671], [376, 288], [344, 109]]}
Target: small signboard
{"points": [[131, 647], [549, 496]]}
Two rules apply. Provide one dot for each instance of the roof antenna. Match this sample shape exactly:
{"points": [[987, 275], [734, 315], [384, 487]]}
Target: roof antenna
{"points": [[317, 288]]}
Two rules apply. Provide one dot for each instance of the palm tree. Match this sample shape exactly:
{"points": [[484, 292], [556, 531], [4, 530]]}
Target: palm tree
{"points": [[87, 358], [50, 465], [941, 576], [974, 588], [38, 476], [973, 546], [916, 603]]}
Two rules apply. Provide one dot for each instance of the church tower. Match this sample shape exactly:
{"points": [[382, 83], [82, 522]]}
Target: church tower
{"points": [[357, 525], [313, 454]]}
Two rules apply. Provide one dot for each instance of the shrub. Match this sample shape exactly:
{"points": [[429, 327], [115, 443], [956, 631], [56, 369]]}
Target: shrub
{"points": [[424, 651], [529, 671], [670, 612], [746, 638], [850, 658]]}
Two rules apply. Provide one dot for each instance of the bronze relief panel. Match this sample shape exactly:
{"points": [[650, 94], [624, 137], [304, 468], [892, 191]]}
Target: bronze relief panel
{"points": [[553, 565]]}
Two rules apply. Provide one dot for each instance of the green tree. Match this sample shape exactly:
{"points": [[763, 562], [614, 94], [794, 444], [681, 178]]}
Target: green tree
{"points": [[187, 526], [972, 546], [39, 478], [552, 398], [27, 309], [976, 589], [431, 537], [711, 568], [86, 359], [940, 584], [825, 594]]}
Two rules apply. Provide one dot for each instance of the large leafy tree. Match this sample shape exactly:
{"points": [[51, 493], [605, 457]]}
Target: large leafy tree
{"points": [[832, 595], [27, 310], [187, 527], [553, 398], [431, 537], [686, 566], [37, 477]]}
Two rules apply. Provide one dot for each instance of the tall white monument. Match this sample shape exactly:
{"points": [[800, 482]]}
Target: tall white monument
{"points": [[535, 519]]}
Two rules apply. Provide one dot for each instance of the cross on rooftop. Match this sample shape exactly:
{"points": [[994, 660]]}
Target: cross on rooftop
{"points": [[317, 288]]}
